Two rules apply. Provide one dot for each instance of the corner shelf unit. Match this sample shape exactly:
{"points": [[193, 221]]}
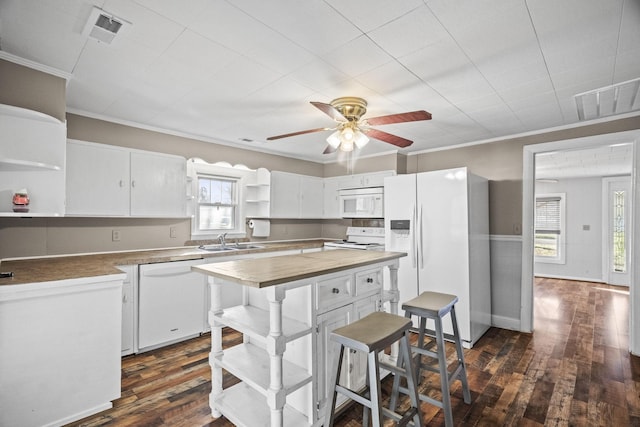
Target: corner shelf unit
{"points": [[32, 157], [258, 195]]}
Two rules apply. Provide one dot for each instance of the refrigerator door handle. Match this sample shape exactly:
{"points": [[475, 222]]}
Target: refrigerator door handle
{"points": [[420, 240], [414, 246]]}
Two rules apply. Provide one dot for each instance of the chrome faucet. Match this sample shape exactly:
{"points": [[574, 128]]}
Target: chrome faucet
{"points": [[222, 238]]}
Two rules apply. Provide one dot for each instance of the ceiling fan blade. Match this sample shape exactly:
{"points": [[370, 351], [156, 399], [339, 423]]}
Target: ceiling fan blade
{"points": [[330, 111], [412, 116], [302, 132], [387, 137], [329, 149]]}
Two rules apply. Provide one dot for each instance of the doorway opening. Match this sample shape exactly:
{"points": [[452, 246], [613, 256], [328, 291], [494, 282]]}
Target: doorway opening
{"points": [[529, 191]]}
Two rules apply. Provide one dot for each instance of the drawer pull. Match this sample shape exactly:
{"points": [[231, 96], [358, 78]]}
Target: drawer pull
{"points": [[369, 280], [335, 290]]}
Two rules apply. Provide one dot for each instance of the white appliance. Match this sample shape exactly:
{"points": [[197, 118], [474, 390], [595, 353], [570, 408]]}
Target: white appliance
{"points": [[362, 202], [441, 219], [365, 238]]}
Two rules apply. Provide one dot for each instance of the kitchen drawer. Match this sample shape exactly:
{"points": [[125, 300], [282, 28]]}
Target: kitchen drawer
{"points": [[367, 281], [333, 292]]}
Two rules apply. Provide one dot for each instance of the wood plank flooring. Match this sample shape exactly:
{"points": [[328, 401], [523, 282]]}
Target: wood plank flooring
{"points": [[574, 370]]}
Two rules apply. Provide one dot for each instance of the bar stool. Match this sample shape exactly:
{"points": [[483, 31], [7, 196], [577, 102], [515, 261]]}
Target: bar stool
{"points": [[372, 334], [436, 305]]}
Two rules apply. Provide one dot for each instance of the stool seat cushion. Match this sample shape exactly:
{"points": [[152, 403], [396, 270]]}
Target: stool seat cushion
{"points": [[434, 302], [373, 332]]}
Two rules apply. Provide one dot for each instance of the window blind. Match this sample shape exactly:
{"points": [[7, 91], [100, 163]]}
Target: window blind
{"points": [[548, 215]]}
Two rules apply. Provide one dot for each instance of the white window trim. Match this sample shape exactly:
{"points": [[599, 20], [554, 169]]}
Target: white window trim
{"points": [[562, 237], [198, 167]]}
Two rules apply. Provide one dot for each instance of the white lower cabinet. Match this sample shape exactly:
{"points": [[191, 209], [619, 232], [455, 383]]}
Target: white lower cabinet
{"points": [[171, 303], [364, 298], [129, 300]]}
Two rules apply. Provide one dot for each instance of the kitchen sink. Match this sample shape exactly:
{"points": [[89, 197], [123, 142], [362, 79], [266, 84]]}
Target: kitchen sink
{"points": [[229, 247], [216, 248], [247, 246]]}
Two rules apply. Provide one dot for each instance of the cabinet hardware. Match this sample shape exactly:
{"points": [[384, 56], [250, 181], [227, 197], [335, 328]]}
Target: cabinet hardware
{"points": [[369, 280], [335, 290]]}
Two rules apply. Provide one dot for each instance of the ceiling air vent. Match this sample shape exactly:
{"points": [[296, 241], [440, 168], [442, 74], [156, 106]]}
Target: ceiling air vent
{"points": [[104, 26], [609, 100]]}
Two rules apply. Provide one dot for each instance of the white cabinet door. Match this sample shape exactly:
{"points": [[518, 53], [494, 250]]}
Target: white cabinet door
{"points": [[331, 205], [285, 195], [128, 309], [97, 180], [158, 185], [104, 180], [311, 196], [327, 355], [171, 303]]}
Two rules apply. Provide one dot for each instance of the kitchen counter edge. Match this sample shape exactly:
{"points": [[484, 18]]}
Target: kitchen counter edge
{"points": [[55, 268]]}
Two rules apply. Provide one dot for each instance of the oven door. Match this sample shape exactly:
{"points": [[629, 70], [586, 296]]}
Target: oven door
{"points": [[361, 204]]}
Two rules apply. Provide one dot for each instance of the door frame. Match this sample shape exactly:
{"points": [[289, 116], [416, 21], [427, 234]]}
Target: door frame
{"points": [[528, 205]]}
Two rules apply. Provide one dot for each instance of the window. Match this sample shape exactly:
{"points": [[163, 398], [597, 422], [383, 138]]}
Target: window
{"points": [[549, 228], [217, 204], [618, 231]]}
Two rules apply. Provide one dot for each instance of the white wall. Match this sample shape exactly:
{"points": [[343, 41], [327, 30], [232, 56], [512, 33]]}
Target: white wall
{"points": [[584, 249]]}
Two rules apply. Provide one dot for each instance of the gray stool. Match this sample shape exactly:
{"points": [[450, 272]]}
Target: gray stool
{"points": [[435, 305], [372, 334]]}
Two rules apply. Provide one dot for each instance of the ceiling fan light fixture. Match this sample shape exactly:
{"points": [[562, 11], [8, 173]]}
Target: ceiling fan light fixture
{"points": [[361, 139], [346, 146], [334, 139], [347, 134]]}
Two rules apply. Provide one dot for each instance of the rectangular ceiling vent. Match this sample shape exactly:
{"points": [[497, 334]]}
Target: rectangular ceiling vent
{"points": [[104, 26], [609, 100]]}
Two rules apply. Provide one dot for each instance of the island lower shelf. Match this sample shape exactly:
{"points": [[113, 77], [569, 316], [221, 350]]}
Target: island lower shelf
{"points": [[285, 359]]}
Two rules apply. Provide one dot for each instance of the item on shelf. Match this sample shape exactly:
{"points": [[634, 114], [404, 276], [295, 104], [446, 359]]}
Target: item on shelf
{"points": [[21, 201]]}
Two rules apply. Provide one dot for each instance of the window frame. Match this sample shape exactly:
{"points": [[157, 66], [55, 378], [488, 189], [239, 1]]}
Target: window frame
{"points": [[560, 257], [199, 170]]}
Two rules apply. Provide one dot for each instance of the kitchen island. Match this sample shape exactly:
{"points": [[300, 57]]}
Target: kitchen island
{"points": [[290, 306]]}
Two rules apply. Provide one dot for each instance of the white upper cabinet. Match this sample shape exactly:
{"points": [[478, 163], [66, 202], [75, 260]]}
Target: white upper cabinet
{"points": [[104, 180], [32, 157], [364, 180], [331, 206], [158, 184], [296, 196]]}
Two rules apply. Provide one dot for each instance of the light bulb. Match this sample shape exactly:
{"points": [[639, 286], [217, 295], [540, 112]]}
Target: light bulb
{"points": [[346, 146], [347, 134], [334, 139], [361, 139]]}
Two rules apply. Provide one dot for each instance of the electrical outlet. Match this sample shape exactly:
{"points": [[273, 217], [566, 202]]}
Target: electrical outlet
{"points": [[173, 232], [115, 235]]}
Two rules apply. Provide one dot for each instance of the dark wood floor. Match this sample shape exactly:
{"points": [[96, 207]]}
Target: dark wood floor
{"points": [[575, 370]]}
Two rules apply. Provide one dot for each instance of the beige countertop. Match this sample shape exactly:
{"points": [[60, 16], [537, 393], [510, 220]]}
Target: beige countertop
{"points": [[46, 269], [264, 272]]}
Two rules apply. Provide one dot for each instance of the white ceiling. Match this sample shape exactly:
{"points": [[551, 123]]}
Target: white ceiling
{"points": [[606, 160], [224, 71]]}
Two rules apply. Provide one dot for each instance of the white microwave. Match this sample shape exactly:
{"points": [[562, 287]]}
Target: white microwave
{"points": [[362, 202]]}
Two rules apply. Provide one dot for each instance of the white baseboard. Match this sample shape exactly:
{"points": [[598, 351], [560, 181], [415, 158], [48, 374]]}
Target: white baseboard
{"points": [[504, 322]]}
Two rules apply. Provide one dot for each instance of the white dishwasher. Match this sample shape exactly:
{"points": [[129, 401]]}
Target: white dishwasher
{"points": [[171, 303]]}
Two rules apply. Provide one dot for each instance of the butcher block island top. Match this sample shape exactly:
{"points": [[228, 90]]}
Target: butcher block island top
{"points": [[264, 272]]}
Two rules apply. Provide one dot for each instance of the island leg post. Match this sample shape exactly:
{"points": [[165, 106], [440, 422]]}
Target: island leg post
{"points": [[275, 347], [216, 344]]}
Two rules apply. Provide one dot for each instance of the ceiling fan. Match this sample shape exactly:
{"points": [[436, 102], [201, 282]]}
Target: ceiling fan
{"points": [[351, 130]]}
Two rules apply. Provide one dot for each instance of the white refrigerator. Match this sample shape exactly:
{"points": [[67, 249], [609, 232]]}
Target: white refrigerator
{"points": [[441, 219]]}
